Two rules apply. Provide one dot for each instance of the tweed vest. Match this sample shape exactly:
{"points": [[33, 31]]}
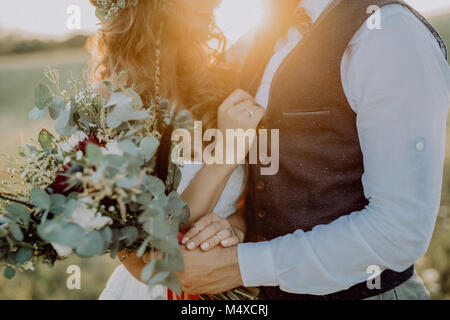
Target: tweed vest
{"points": [[321, 163]]}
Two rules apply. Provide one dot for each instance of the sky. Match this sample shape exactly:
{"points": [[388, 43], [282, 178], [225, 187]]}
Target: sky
{"points": [[49, 17]]}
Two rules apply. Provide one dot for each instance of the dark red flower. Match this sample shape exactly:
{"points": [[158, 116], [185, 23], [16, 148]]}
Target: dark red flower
{"points": [[91, 139], [60, 184]]}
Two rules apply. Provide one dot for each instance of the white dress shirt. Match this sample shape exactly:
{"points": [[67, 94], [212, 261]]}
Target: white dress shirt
{"points": [[398, 83]]}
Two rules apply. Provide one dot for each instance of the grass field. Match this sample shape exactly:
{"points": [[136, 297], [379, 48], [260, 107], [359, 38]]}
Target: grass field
{"points": [[442, 25], [18, 77]]}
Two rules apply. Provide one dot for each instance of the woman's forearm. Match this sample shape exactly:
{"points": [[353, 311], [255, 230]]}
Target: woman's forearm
{"points": [[204, 191]]}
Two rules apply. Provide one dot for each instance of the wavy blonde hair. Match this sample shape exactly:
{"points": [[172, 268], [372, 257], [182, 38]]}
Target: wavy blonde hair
{"points": [[193, 72]]}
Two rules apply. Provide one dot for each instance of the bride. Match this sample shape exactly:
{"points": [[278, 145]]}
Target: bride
{"points": [[171, 39]]}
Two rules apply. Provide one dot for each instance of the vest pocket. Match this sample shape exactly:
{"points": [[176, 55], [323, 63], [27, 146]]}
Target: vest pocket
{"points": [[306, 120], [306, 113]]}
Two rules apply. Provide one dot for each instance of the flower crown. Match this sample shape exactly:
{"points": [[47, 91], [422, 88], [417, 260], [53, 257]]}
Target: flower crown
{"points": [[108, 9]]}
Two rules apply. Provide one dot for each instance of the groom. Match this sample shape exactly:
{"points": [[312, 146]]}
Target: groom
{"points": [[361, 110]]}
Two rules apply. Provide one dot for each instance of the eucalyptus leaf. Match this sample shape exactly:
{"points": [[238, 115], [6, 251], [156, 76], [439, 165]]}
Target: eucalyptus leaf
{"points": [[19, 211], [4, 219], [58, 203], [42, 96], [137, 101], [16, 232], [63, 233], [176, 204], [116, 99], [165, 245], [99, 173], [128, 146], [70, 207], [90, 245], [63, 119], [56, 107], [116, 161], [9, 272], [147, 214], [40, 199], [94, 154], [67, 131], [177, 178], [159, 278], [143, 248], [37, 113], [175, 261], [115, 243], [173, 283], [159, 204], [147, 271], [24, 254], [129, 234], [64, 124], [123, 111], [154, 185], [156, 227], [107, 236], [149, 146], [127, 182]]}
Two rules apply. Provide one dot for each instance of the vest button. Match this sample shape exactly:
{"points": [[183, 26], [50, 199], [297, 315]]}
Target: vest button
{"points": [[262, 214], [260, 238], [260, 186]]}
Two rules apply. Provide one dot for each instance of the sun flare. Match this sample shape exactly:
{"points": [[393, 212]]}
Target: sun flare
{"points": [[236, 17]]}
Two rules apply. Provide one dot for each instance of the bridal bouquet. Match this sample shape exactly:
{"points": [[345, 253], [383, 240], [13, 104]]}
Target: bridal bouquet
{"points": [[102, 184]]}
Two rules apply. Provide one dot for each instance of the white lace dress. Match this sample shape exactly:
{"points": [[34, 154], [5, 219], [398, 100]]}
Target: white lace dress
{"points": [[123, 286]]}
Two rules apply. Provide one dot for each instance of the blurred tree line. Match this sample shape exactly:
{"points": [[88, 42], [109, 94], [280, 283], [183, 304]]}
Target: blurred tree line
{"points": [[15, 44]]}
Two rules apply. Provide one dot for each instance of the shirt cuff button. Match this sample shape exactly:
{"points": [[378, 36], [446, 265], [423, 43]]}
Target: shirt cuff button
{"points": [[420, 146]]}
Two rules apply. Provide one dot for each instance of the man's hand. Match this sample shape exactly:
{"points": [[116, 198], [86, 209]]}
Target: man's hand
{"points": [[211, 272]]}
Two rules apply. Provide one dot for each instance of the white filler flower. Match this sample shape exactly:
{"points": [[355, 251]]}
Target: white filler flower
{"points": [[62, 251], [88, 217], [73, 141]]}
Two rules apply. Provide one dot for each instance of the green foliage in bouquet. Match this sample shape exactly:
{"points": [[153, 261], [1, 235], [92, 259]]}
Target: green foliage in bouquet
{"points": [[104, 183]]}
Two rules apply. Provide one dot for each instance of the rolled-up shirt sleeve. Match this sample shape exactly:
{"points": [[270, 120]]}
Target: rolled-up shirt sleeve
{"points": [[397, 82]]}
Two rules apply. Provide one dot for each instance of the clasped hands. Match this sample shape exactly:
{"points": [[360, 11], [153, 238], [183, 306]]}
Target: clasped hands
{"points": [[210, 256]]}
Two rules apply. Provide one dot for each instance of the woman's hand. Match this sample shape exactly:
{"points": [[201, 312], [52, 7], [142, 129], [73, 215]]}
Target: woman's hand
{"points": [[211, 231], [239, 111], [134, 264]]}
